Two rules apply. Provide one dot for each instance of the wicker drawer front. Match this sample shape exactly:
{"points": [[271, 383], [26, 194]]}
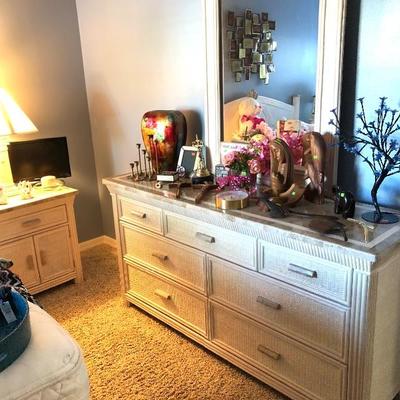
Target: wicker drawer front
{"points": [[32, 222], [178, 262], [187, 308], [310, 273], [140, 214], [304, 369], [235, 247], [318, 323]]}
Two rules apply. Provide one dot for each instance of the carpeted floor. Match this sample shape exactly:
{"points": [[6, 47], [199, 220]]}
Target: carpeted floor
{"points": [[132, 356]]}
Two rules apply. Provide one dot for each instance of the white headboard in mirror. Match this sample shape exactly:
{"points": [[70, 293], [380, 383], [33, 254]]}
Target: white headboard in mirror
{"points": [[329, 70]]}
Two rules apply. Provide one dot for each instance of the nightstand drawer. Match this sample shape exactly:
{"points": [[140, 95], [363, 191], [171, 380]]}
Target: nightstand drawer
{"points": [[307, 272], [32, 222], [282, 358], [186, 307], [318, 323], [141, 214], [233, 246], [176, 261]]}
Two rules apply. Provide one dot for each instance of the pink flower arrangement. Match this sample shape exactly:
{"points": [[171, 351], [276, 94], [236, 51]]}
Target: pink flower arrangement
{"points": [[255, 158], [234, 182]]}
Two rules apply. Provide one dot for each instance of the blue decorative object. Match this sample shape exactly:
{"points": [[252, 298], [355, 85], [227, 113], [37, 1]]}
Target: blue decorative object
{"points": [[15, 336], [375, 144]]}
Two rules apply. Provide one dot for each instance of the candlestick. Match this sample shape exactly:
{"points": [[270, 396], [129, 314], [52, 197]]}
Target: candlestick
{"points": [[156, 151], [137, 169], [144, 161], [132, 165], [140, 162], [149, 166]]}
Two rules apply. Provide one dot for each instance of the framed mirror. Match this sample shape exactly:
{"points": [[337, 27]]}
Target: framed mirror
{"points": [[331, 18]]}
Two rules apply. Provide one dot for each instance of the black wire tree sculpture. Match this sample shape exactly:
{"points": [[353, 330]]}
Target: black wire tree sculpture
{"points": [[375, 143]]}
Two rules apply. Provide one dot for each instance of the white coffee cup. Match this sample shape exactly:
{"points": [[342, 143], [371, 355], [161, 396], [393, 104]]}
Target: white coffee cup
{"points": [[49, 181]]}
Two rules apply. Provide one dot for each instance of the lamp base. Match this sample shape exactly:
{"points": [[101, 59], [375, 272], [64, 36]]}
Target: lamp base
{"points": [[386, 218]]}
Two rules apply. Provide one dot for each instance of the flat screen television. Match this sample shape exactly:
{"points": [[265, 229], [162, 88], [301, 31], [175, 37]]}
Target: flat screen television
{"points": [[32, 159]]}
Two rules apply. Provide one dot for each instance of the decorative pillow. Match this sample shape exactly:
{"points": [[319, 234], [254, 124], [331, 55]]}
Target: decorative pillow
{"points": [[8, 278]]}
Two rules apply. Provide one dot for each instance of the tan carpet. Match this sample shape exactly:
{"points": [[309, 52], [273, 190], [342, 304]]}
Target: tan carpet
{"points": [[130, 355]]}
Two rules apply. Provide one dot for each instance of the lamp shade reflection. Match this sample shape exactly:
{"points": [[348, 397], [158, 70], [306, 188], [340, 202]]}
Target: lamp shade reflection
{"points": [[12, 118]]}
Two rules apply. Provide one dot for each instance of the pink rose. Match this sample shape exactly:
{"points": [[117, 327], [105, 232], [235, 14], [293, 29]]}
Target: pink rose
{"points": [[229, 158], [254, 166]]}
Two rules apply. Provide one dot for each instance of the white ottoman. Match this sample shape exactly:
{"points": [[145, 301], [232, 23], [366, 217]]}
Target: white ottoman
{"points": [[51, 367]]}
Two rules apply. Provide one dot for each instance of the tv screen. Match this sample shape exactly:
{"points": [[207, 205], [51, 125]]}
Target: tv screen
{"points": [[32, 159]]}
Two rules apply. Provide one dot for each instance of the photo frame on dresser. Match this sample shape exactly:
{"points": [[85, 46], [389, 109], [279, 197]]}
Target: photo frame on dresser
{"points": [[187, 159]]}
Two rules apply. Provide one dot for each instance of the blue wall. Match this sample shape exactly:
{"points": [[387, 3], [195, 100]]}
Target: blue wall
{"points": [[295, 60], [371, 71]]}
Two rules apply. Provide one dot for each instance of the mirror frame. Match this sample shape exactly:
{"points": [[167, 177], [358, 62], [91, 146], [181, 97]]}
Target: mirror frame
{"points": [[331, 26]]}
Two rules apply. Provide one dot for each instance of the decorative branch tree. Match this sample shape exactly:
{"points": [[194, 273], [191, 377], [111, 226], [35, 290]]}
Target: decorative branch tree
{"points": [[375, 144]]}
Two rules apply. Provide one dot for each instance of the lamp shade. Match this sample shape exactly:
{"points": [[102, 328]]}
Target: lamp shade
{"points": [[12, 118]]}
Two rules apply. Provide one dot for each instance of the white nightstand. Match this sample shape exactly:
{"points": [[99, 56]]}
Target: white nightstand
{"points": [[39, 235]]}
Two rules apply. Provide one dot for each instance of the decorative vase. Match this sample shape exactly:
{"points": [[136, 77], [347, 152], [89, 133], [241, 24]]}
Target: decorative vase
{"points": [[163, 134], [378, 216]]}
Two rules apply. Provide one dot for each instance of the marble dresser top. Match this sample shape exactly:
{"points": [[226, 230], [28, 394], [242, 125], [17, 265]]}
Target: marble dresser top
{"points": [[382, 241]]}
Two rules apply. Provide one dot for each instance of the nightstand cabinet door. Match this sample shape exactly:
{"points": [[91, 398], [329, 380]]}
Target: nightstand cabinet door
{"points": [[54, 253], [22, 254]]}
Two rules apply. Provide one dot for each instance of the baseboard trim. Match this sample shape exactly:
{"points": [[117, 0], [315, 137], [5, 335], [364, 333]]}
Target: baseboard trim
{"points": [[104, 239]]}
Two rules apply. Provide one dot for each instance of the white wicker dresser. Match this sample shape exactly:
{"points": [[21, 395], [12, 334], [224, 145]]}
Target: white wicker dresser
{"points": [[310, 315]]}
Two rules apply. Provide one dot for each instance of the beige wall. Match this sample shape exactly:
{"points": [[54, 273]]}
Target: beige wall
{"points": [[41, 67], [138, 56]]}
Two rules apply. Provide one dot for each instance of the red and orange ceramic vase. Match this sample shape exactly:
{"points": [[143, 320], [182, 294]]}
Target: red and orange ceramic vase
{"points": [[164, 133]]}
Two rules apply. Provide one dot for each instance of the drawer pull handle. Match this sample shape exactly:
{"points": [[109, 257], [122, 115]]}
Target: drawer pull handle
{"points": [[205, 238], [268, 303], [302, 271], [29, 262], [42, 257], [268, 352], [161, 257], [162, 294], [30, 222], [138, 214]]}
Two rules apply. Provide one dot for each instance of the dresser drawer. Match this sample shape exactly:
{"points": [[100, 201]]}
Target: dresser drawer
{"points": [[183, 305], [296, 365], [140, 214], [233, 246], [176, 261], [319, 323], [32, 222], [310, 273]]}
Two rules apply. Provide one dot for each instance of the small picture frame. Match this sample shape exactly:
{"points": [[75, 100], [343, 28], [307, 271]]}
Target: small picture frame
{"points": [[248, 43], [187, 159], [264, 17], [236, 66], [239, 21], [240, 33], [231, 18], [247, 73], [221, 171], [248, 14], [257, 58], [264, 46], [247, 27], [238, 77], [256, 29], [256, 19]]}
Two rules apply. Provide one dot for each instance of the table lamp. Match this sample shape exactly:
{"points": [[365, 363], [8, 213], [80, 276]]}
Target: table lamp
{"points": [[12, 121]]}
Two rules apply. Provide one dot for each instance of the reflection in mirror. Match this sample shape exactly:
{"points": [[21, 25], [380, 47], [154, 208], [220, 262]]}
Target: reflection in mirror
{"points": [[290, 26]]}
